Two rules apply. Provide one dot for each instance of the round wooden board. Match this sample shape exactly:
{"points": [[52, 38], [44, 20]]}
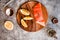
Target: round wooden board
{"points": [[32, 25]]}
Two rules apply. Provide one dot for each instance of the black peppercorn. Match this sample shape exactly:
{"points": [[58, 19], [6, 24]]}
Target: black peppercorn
{"points": [[54, 20], [51, 33]]}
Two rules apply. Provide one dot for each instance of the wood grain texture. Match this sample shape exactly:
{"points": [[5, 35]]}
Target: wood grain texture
{"points": [[32, 25]]}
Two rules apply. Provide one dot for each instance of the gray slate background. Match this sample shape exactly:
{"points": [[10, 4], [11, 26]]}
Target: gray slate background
{"points": [[53, 8]]}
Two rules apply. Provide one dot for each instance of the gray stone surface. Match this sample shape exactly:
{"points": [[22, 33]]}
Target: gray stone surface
{"points": [[53, 8]]}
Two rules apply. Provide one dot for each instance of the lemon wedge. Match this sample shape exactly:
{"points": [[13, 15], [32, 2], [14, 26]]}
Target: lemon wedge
{"points": [[27, 18], [25, 12], [24, 23]]}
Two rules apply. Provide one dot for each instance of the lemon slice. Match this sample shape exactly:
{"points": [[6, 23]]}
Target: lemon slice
{"points": [[27, 18], [24, 23], [8, 25], [25, 12]]}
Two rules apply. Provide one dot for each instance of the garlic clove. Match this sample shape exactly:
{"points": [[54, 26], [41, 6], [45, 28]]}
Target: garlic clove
{"points": [[9, 12]]}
